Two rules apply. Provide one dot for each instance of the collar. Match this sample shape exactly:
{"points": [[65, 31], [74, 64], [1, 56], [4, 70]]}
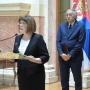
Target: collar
{"points": [[71, 23]]}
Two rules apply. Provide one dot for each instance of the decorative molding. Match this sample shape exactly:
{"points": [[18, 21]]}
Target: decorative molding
{"points": [[8, 78], [85, 80], [14, 9], [50, 74]]}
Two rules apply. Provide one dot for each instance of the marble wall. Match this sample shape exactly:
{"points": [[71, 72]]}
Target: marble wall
{"points": [[8, 28]]}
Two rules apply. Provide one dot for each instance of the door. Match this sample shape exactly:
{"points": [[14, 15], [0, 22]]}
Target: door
{"points": [[64, 5]]}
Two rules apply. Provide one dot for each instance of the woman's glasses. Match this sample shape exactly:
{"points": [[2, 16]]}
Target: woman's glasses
{"points": [[22, 23]]}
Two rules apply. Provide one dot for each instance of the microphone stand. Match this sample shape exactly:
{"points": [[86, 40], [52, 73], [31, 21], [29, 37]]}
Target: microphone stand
{"points": [[8, 37], [6, 61]]}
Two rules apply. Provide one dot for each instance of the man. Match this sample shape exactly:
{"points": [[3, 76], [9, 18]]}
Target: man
{"points": [[72, 34]]}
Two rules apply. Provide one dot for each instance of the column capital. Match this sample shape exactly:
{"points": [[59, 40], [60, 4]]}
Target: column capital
{"points": [[14, 9]]}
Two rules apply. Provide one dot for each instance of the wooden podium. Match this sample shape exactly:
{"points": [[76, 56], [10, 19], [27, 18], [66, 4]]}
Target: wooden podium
{"points": [[11, 55]]}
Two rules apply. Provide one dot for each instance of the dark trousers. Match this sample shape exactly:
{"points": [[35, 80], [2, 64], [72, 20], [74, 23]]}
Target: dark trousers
{"points": [[33, 82], [65, 72]]}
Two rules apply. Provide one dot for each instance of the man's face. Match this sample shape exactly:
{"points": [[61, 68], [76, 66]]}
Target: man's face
{"points": [[70, 16]]}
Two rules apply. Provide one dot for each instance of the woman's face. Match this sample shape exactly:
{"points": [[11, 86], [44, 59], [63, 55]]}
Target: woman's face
{"points": [[22, 25]]}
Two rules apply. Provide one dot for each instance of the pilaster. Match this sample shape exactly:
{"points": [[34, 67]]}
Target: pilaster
{"points": [[49, 34]]}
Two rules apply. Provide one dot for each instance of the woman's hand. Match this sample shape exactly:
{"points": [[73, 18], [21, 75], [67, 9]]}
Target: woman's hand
{"points": [[11, 60], [35, 60], [31, 58], [65, 57]]}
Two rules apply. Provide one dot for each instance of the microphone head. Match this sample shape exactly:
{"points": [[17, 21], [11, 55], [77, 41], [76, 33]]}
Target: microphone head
{"points": [[16, 34]]}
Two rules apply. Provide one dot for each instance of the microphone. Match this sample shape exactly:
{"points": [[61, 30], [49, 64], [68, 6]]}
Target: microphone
{"points": [[8, 37]]}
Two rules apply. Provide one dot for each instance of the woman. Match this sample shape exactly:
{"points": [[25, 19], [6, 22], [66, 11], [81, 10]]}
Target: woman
{"points": [[31, 73]]}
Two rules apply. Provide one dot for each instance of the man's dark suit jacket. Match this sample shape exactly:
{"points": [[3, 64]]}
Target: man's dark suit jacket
{"points": [[36, 48], [74, 39]]}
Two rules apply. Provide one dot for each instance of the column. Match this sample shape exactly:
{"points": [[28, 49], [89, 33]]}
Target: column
{"points": [[50, 38]]}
